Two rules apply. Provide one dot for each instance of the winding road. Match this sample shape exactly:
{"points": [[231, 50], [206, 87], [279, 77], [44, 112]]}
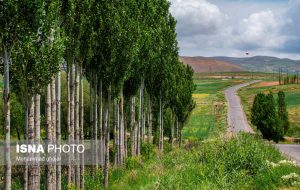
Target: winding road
{"points": [[236, 118], [237, 121]]}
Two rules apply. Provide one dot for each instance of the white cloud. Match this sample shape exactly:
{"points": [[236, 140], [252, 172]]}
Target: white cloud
{"points": [[196, 17], [231, 28], [261, 30]]}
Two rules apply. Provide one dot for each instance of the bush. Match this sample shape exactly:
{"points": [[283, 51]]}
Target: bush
{"points": [[147, 150], [134, 162]]}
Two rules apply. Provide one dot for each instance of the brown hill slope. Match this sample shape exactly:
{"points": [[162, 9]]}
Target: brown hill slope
{"points": [[203, 65]]}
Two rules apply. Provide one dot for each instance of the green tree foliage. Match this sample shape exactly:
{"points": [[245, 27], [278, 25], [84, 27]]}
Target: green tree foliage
{"points": [[282, 111], [129, 47], [265, 117]]}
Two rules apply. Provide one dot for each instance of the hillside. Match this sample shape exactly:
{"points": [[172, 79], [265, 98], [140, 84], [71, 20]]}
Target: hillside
{"points": [[263, 63], [202, 64]]}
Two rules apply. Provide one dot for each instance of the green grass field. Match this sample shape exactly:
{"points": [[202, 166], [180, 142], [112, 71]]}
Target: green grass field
{"points": [[292, 93]]}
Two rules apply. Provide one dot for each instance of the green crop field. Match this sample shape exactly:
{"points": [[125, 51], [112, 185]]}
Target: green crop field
{"points": [[209, 115]]}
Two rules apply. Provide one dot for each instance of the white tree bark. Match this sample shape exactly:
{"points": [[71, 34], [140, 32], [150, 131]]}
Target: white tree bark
{"points": [[107, 124], [149, 120], [132, 126], [116, 132], [95, 119], [49, 167], [6, 95], [121, 128], [53, 127], [58, 128], [77, 129], [72, 118], [81, 130], [25, 185], [101, 148], [69, 180], [161, 132], [37, 125], [32, 168]]}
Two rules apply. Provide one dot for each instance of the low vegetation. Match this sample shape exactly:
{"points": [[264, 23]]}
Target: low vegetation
{"points": [[242, 162]]}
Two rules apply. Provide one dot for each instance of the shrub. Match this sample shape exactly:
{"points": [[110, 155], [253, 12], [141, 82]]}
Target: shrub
{"points": [[134, 162]]}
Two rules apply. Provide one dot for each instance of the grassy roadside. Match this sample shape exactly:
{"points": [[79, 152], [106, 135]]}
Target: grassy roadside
{"points": [[292, 93], [242, 162]]}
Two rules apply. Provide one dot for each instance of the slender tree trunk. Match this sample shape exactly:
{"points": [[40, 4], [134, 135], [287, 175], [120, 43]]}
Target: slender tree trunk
{"points": [[58, 129], [132, 126], [116, 132], [172, 132], [53, 127], [121, 129], [92, 125], [180, 135], [107, 124], [101, 125], [95, 119], [49, 167], [177, 130], [81, 130], [140, 130], [69, 122], [149, 120], [77, 129], [37, 124], [161, 133], [125, 136], [32, 168], [25, 186], [72, 115], [6, 96]]}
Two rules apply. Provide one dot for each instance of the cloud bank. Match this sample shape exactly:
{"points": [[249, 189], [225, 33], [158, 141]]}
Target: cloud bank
{"points": [[207, 29]]}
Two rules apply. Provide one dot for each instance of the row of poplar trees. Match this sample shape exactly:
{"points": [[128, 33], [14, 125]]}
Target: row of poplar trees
{"points": [[126, 50]]}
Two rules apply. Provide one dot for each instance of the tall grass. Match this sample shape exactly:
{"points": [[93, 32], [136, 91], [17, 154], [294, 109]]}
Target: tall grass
{"points": [[242, 162]]}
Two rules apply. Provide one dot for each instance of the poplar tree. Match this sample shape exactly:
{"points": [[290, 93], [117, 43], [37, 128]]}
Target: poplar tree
{"points": [[282, 111], [264, 116]]}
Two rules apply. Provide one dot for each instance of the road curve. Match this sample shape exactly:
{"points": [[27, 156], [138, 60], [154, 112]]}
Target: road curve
{"points": [[237, 121], [236, 118]]}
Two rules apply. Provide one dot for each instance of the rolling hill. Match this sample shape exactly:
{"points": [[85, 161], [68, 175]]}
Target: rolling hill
{"points": [[263, 63], [203, 64]]}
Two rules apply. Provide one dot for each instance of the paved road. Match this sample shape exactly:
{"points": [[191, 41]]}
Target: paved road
{"points": [[236, 117], [291, 150], [237, 121]]}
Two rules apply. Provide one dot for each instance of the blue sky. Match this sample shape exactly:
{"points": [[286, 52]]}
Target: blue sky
{"points": [[233, 27]]}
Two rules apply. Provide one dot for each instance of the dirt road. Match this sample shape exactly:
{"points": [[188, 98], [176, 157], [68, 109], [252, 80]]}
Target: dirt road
{"points": [[237, 121], [236, 118]]}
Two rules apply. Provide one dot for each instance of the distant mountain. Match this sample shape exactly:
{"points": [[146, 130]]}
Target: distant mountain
{"points": [[263, 63], [202, 65]]}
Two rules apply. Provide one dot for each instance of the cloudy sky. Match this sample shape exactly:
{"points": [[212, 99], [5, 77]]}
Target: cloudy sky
{"points": [[234, 27]]}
